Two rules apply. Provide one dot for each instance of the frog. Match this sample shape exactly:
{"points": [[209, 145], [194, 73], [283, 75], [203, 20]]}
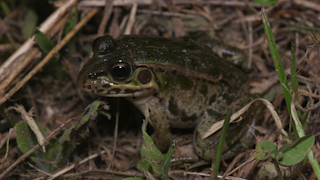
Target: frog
{"points": [[177, 83]]}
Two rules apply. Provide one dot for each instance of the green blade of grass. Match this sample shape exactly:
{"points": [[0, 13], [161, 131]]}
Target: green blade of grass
{"points": [[277, 64], [45, 44], [215, 165], [5, 8], [297, 127], [166, 165]]}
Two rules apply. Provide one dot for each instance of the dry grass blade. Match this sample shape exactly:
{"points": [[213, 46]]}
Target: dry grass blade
{"points": [[132, 18], [106, 15], [307, 4], [163, 3], [66, 169], [64, 41], [24, 156], [17, 57], [2, 143], [215, 127], [32, 124]]}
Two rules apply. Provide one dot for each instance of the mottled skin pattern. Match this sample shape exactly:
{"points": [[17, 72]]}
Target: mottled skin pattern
{"points": [[180, 82]]}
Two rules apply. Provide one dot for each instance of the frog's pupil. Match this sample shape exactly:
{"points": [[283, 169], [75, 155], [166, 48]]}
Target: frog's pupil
{"points": [[120, 72]]}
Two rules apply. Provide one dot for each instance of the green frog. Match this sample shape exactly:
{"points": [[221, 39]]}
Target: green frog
{"points": [[181, 83]]}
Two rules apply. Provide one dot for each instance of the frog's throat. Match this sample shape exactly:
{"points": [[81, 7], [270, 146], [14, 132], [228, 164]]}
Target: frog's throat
{"points": [[140, 102]]}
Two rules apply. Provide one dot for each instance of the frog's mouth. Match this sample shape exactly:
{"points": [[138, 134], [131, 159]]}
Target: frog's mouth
{"points": [[103, 88]]}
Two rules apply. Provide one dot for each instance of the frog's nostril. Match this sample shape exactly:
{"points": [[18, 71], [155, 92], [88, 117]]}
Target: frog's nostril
{"points": [[92, 75]]}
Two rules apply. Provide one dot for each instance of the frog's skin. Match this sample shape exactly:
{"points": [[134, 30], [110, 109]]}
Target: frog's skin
{"points": [[182, 85]]}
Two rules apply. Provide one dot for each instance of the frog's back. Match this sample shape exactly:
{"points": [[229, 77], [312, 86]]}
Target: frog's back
{"points": [[175, 54]]}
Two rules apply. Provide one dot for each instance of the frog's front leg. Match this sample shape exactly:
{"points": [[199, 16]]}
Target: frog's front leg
{"points": [[161, 136]]}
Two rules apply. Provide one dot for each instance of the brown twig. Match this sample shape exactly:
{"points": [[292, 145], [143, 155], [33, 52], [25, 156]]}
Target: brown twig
{"points": [[49, 55], [66, 169], [19, 55], [15, 67], [31, 123], [106, 16], [132, 19], [115, 135], [2, 142], [101, 3], [307, 4], [300, 108]]}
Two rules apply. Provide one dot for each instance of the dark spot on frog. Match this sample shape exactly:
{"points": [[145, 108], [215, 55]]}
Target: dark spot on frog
{"points": [[106, 86], [202, 123], [116, 90], [212, 99], [185, 82], [212, 113], [203, 115], [89, 87], [203, 89], [128, 91], [191, 118], [100, 90], [173, 107], [155, 94]]}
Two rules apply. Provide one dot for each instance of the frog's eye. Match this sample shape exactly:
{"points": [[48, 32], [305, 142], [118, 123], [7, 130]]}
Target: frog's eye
{"points": [[121, 71], [103, 45]]}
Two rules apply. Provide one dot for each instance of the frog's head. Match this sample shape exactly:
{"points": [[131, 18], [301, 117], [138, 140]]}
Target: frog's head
{"points": [[112, 73]]}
